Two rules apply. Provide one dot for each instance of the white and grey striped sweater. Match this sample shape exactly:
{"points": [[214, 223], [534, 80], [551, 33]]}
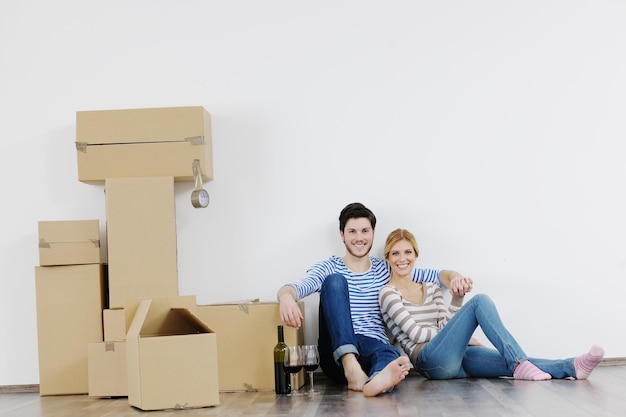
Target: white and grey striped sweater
{"points": [[411, 325]]}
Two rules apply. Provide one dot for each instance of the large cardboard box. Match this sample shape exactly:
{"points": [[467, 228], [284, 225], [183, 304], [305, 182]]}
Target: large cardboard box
{"points": [[107, 369], [141, 238], [70, 300], [150, 142], [70, 242], [246, 336], [171, 358]]}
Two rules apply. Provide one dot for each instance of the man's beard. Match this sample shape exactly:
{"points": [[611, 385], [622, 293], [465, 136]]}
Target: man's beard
{"points": [[358, 255]]}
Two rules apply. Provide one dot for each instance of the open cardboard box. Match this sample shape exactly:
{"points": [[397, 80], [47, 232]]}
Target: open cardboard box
{"points": [[171, 358]]}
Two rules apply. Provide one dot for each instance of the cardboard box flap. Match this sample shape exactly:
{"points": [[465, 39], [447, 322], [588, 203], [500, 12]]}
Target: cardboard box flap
{"points": [[190, 124], [139, 318], [158, 310], [68, 231]]}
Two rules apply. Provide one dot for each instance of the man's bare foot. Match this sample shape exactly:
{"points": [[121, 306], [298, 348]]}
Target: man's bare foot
{"points": [[353, 372], [356, 379], [390, 376]]}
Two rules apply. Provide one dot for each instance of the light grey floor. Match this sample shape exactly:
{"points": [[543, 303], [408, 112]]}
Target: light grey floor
{"points": [[603, 395]]}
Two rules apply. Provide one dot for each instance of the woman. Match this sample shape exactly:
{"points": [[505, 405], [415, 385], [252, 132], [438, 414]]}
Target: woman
{"points": [[436, 338]]}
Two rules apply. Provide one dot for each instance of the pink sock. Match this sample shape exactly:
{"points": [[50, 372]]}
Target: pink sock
{"points": [[529, 372], [586, 363]]}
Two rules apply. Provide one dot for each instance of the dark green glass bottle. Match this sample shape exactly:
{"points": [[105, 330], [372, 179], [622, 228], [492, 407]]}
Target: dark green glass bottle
{"points": [[282, 385]]}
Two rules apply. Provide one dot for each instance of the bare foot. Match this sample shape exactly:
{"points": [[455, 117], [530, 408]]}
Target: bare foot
{"points": [[390, 376], [353, 372], [356, 380]]}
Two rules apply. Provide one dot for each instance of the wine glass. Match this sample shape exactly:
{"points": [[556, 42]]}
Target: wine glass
{"points": [[293, 365], [311, 362]]}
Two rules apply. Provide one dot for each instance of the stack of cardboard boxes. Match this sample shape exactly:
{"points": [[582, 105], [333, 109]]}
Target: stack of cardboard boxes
{"points": [[70, 294], [122, 329]]}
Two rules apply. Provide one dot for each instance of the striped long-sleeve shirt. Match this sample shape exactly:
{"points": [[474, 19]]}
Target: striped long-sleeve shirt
{"points": [[363, 289], [412, 325]]}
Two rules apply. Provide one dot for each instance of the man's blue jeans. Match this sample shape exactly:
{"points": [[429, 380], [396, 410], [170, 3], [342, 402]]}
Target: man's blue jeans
{"points": [[336, 334], [448, 356]]}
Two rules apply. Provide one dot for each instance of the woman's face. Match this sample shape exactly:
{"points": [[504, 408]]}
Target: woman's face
{"points": [[402, 258]]}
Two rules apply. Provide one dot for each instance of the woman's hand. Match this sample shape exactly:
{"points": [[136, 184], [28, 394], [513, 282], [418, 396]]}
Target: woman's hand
{"points": [[460, 285]]}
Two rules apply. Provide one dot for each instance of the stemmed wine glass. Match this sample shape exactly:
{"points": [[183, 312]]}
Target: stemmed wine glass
{"points": [[311, 362], [293, 365]]}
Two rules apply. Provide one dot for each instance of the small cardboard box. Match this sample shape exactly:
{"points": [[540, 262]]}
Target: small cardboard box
{"points": [[247, 334], [150, 142], [171, 358], [107, 369], [70, 242], [141, 237], [70, 300]]}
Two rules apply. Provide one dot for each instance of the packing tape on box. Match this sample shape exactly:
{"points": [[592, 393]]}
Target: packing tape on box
{"points": [[243, 306], [196, 140], [109, 346], [81, 147], [43, 243], [96, 242]]}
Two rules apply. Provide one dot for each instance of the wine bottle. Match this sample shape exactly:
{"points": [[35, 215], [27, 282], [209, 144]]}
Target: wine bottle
{"points": [[282, 384]]}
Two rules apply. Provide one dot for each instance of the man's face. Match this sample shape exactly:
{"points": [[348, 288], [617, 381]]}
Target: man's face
{"points": [[358, 236]]}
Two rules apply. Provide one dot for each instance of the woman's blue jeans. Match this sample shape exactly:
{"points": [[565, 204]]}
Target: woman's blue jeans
{"points": [[448, 355], [337, 338]]}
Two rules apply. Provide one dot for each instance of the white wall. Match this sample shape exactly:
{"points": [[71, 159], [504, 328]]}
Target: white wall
{"points": [[493, 130]]}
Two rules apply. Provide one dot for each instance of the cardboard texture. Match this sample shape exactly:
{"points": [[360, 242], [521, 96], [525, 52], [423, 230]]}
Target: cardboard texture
{"points": [[171, 358], [148, 142], [107, 369], [141, 236], [114, 322], [246, 336], [70, 242], [70, 300]]}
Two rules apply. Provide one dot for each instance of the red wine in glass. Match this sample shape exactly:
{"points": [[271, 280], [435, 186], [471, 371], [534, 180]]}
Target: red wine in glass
{"points": [[311, 362], [293, 364]]}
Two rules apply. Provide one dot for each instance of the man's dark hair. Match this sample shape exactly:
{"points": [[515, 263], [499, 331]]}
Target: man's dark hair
{"points": [[355, 211]]}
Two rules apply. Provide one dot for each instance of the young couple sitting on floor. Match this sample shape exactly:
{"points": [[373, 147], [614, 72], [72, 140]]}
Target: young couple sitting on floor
{"points": [[364, 299]]}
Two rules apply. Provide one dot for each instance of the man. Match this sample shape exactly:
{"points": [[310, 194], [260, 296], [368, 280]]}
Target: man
{"points": [[353, 342]]}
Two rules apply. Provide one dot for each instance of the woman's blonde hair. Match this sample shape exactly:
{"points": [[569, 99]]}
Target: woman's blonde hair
{"points": [[397, 236]]}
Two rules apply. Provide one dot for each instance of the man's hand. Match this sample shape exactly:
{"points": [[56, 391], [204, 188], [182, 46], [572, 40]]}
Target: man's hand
{"points": [[289, 311]]}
